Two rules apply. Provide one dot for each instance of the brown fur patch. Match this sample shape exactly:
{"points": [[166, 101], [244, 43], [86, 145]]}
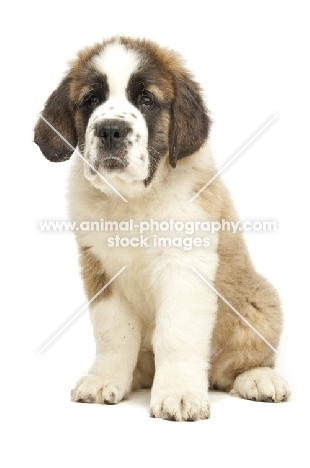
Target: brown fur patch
{"points": [[157, 92], [160, 141], [253, 297], [189, 118], [211, 200], [94, 276], [238, 348], [59, 113]]}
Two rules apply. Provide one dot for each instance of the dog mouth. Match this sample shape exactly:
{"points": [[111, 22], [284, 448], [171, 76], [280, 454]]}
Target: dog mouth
{"points": [[108, 162], [124, 160], [113, 163]]}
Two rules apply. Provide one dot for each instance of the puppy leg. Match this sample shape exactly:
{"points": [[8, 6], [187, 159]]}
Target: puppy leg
{"points": [[185, 318], [117, 336], [244, 363], [144, 372], [261, 384]]}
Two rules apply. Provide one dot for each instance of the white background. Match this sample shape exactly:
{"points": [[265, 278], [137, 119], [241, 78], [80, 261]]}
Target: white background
{"points": [[252, 59]]}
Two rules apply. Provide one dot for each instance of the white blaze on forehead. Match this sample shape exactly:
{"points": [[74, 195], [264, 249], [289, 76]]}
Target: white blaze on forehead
{"points": [[118, 64]]}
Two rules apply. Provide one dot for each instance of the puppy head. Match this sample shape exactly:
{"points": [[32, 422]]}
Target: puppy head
{"points": [[128, 105]]}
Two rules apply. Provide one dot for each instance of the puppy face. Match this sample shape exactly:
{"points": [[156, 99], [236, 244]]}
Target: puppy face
{"points": [[120, 116], [127, 104]]}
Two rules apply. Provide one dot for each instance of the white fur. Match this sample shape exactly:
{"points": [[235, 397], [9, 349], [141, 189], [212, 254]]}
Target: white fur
{"points": [[171, 307], [118, 64], [117, 335]]}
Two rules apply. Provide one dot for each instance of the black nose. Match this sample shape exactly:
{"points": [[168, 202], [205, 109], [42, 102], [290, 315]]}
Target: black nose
{"points": [[111, 132]]}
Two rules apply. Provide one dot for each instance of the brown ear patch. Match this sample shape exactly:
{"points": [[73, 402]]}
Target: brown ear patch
{"points": [[58, 112], [190, 122]]}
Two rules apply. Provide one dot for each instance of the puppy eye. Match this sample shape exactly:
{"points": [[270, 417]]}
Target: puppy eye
{"points": [[145, 100], [92, 101]]}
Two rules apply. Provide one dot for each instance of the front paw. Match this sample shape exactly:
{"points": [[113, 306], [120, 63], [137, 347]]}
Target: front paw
{"points": [[180, 405], [92, 388]]}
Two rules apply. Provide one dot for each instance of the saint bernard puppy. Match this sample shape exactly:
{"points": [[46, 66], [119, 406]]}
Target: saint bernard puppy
{"points": [[140, 125]]}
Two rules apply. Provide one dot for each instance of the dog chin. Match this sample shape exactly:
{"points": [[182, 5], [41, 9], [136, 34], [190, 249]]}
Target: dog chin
{"points": [[127, 181]]}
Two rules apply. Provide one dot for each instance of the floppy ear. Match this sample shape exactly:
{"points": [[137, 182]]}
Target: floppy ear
{"points": [[190, 122], [58, 112]]}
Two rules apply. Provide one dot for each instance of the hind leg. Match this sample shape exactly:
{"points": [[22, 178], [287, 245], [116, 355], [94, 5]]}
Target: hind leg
{"points": [[261, 384], [242, 362], [237, 373]]}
